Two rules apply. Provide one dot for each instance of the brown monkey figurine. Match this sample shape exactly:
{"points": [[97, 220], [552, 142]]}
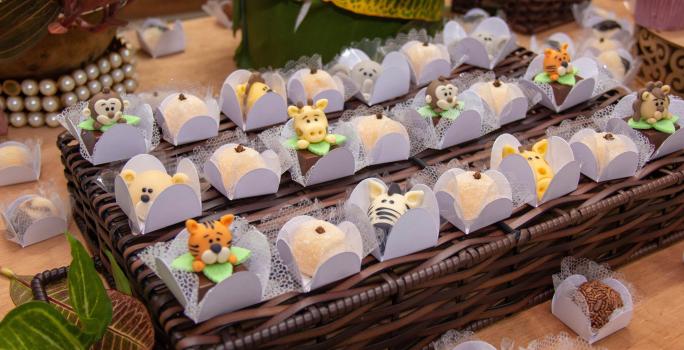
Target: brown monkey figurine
{"points": [[441, 95], [104, 110]]}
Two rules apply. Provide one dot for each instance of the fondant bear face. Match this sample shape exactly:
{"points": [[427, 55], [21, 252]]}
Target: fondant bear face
{"points": [[557, 63], [310, 123], [144, 187], [210, 242], [535, 158]]}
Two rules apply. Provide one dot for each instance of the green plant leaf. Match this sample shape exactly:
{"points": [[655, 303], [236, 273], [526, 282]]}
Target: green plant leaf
{"points": [[20, 289], [23, 23], [87, 293], [120, 279], [37, 325], [131, 327]]}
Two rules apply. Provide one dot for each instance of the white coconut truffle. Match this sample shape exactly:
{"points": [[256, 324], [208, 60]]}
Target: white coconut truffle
{"points": [[314, 242], [372, 128], [14, 155], [181, 108], [605, 147], [235, 162], [317, 80], [472, 190]]}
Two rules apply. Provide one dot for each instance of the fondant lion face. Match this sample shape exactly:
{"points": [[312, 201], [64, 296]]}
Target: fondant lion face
{"points": [[652, 103], [557, 63], [310, 122], [535, 158], [210, 242]]}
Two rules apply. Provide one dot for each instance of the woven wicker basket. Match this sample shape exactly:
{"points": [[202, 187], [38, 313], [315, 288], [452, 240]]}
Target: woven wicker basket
{"points": [[464, 282], [525, 16]]}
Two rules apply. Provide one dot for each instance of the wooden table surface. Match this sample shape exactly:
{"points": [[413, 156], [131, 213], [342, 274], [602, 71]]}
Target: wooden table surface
{"points": [[208, 59]]}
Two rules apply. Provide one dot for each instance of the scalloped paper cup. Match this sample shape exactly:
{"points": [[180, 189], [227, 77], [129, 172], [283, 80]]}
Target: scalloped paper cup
{"points": [[516, 103], [471, 51], [269, 109], [297, 94], [335, 268], [474, 345], [416, 230], [431, 70], [389, 148], [38, 230], [195, 128], [566, 310], [21, 173], [172, 41], [175, 204], [496, 210], [623, 165]]}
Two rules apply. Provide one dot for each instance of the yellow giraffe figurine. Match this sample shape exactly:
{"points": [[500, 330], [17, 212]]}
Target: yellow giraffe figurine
{"points": [[535, 158]]}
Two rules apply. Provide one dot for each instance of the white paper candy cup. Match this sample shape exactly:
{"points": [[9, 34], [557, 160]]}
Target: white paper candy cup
{"points": [[472, 51], [10, 175], [194, 128], [619, 166], [171, 41], [27, 231], [269, 109]]}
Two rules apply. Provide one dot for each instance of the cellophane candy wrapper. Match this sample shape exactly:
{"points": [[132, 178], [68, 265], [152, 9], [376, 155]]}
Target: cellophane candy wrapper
{"points": [[452, 339], [599, 123], [592, 271], [281, 279], [244, 236]]}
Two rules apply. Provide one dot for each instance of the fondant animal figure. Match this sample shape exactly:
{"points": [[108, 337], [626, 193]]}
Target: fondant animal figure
{"points": [[144, 187], [557, 62], [491, 43], [210, 242], [364, 74], [441, 95], [251, 91], [543, 174], [652, 103], [106, 109], [388, 205], [310, 124]]}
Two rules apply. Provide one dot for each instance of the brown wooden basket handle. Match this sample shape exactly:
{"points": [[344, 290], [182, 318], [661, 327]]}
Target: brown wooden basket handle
{"points": [[43, 279]]}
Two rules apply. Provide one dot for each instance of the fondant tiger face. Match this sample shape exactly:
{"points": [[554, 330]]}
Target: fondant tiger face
{"points": [[557, 63], [210, 242]]}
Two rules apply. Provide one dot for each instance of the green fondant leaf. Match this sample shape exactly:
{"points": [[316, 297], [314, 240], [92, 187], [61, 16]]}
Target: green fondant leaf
{"points": [[339, 139], [131, 119], [640, 124], [542, 78], [183, 262], [242, 254], [665, 125], [218, 272], [568, 79], [451, 114], [427, 112], [320, 149], [87, 125], [291, 142]]}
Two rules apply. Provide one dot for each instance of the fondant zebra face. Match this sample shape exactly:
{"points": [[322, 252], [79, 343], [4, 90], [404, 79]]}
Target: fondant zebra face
{"points": [[388, 205]]}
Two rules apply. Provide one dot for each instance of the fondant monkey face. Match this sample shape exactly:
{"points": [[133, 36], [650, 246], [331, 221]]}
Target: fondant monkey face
{"points": [[106, 108], [441, 95]]}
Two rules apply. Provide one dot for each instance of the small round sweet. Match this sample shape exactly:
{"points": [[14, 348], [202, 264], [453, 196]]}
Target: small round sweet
{"points": [[51, 120], [605, 147], [18, 119], [106, 80], [372, 128], [50, 103], [80, 76], [129, 70], [32, 104], [32, 210], [117, 75], [115, 59], [69, 99], [420, 54], [601, 301], [119, 88], [130, 85], [180, 108], [103, 65], [152, 35], [14, 155], [496, 93], [472, 190], [317, 80], [94, 86], [92, 71], [47, 87], [66, 83], [29, 87], [235, 162], [36, 119], [315, 241], [83, 93], [15, 104]]}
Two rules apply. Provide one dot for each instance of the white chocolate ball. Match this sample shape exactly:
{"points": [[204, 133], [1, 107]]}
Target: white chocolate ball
{"points": [[180, 108], [420, 54], [371, 129], [317, 80], [235, 162], [472, 191], [13, 155], [605, 147], [315, 241]]}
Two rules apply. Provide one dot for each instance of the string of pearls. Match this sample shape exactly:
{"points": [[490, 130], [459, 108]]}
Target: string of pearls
{"points": [[37, 103]]}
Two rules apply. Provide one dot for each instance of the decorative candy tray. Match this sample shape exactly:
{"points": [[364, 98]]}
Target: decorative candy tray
{"points": [[464, 282]]}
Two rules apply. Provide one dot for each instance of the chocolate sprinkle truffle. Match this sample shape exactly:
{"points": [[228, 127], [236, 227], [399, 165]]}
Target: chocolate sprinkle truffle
{"points": [[601, 301]]}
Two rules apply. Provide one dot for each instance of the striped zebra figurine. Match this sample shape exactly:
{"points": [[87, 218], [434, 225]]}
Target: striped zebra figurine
{"points": [[388, 205]]}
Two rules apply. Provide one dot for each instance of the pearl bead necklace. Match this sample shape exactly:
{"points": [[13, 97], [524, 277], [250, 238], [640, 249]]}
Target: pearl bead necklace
{"points": [[37, 103]]}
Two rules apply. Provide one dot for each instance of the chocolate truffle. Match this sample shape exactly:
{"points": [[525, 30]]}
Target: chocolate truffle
{"points": [[235, 162], [372, 128], [14, 155], [180, 108], [601, 301], [315, 241], [472, 190]]}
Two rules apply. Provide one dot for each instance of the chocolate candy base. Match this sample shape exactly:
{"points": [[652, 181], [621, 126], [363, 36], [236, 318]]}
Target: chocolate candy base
{"points": [[205, 284], [560, 91], [308, 159], [655, 137], [89, 139]]}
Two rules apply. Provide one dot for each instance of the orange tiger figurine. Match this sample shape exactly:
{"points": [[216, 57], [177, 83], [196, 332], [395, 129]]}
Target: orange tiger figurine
{"points": [[557, 63], [210, 242]]}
